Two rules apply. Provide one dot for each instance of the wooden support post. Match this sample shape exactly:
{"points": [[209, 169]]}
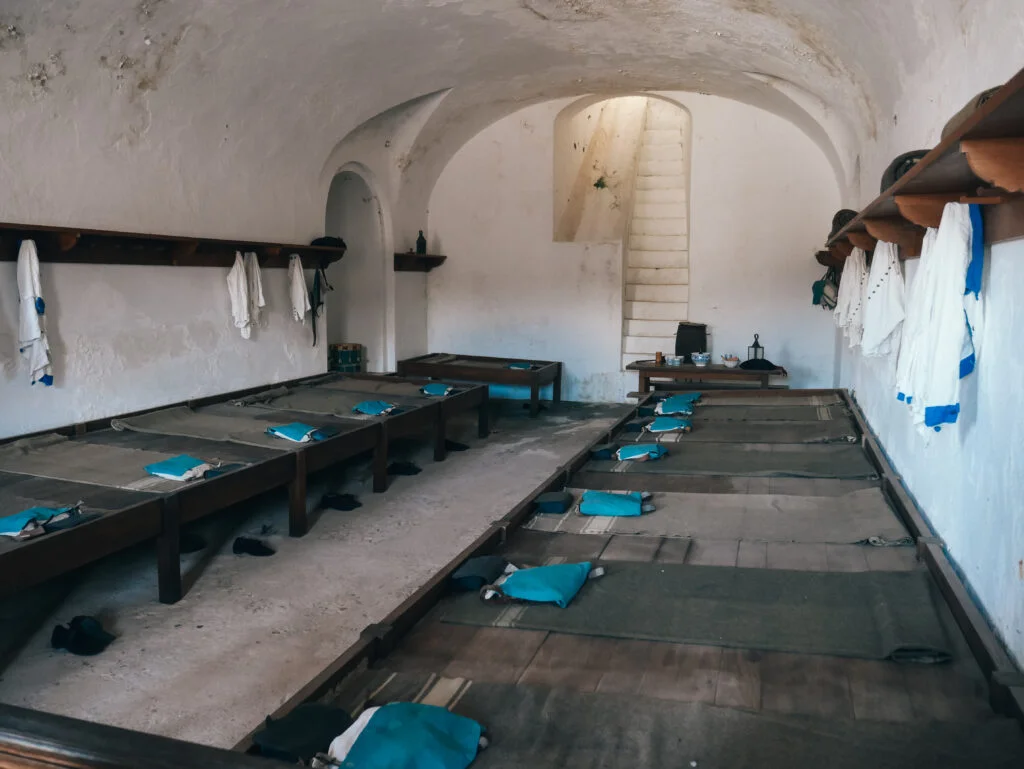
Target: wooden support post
{"points": [[534, 398], [168, 552], [556, 387], [298, 516], [440, 453], [483, 419], [380, 460]]}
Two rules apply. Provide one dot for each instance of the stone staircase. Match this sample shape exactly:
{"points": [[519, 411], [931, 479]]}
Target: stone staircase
{"points": [[657, 261]]}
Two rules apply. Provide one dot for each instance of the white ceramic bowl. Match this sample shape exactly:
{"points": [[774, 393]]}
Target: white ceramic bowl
{"points": [[730, 362], [700, 359], [672, 360]]}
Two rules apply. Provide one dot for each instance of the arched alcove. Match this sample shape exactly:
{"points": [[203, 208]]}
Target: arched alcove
{"points": [[358, 308]]}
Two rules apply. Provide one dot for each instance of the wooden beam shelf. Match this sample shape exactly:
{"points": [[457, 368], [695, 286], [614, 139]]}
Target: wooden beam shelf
{"points": [[985, 152], [80, 246], [417, 262]]}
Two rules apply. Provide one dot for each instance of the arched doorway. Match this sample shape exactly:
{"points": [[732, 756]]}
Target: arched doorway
{"points": [[357, 309]]}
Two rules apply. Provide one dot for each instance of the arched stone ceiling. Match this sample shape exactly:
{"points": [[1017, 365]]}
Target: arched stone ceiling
{"points": [[223, 86]]}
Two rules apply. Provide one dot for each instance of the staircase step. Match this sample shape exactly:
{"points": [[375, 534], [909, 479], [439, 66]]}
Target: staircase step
{"points": [[648, 345], [657, 277], [658, 328], [660, 197], [673, 311], [658, 259], [661, 168], [654, 137], [667, 152], [658, 242], [678, 182], [670, 292], [641, 225], [645, 210], [667, 117]]}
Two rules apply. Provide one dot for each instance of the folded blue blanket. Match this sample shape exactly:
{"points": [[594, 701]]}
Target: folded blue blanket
{"points": [[13, 525], [296, 432], [557, 584], [606, 503], [373, 408], [520, 366], [669, 425], [641, 451], [436, 389], [676, 405], [179, 468], [402, 735]]}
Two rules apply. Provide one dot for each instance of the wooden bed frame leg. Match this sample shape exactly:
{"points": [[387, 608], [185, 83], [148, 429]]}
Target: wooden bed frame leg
{"points": [[556, 388], [483, 419], [168, 552], [380, 461], [298, 516], [534, 399], [440, 435]]}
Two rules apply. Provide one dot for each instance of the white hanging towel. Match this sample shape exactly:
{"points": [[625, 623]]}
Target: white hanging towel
{"points": [[256, 300], [850, 300], [238, 290], [297, 289], [947, 353], [919, 297], [31, 323], [883, 307]]}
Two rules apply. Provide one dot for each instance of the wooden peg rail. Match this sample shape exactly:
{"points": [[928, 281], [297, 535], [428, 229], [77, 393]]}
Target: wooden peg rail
{"points": [[64, 244], [981, 162]]}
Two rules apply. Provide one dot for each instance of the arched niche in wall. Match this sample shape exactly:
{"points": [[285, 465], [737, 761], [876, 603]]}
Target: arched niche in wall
{"points": [[360, 310]]}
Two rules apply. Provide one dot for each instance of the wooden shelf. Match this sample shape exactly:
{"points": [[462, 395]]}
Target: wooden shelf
{"points": [[981, 162], [417, 262], [81, 246]]}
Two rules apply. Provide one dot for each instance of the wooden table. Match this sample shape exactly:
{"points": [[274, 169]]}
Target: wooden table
{"points": [[648, 369]]}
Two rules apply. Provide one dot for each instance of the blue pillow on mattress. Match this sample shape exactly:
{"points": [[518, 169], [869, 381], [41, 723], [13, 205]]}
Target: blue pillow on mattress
{"points": [[373, 408], [402, 735], [13, 525], [557, 584], [520, 366], [641, 451], [179, 468], [297, 432], [614, 505]]}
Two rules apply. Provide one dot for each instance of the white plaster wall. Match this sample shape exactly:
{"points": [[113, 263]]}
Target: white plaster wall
{"points": [[126, 338], [760, 190], [969, 479], [356, 307], [410, 314]]}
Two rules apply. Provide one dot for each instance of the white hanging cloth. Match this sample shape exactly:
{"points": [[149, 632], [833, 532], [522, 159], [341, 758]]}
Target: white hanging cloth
{"points": [[238, 290], [850, 300], [297, 289], [883, 307], [919, 297], [256, 300], [31, 323], [947, 351]]}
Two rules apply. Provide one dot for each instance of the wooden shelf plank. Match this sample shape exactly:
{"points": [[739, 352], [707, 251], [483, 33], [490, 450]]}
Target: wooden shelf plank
{"points": [[82, 246], [949, 173], [417, 262]]}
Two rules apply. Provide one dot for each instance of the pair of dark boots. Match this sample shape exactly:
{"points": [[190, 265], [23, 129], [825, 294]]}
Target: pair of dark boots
{"points": [[83, 635]]}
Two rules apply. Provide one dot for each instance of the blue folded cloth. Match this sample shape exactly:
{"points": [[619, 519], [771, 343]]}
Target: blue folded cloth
{"points": [[605, 503], [436, 389], [24, 524], [669, 425], [297, 432], [179, 468], [641, 452], [676, 405], [557, 584], [520, 366], [401, 735], [373, 408]]}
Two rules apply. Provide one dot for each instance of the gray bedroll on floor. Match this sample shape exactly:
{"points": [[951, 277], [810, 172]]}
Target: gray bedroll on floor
{"points": [[543, 728], [750, 459], [845, 519], [869, 615]]}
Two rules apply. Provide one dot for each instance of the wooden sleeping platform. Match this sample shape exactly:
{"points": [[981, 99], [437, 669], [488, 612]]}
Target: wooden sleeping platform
{"points": [[102, 467], [488, 370], [630, 679]]}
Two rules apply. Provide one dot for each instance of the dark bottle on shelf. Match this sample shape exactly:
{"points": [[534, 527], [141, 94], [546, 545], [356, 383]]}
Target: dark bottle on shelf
{"points": [[421, 244]]}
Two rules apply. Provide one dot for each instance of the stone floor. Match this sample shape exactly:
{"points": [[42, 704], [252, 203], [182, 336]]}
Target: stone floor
{"points": [[252, 631]]}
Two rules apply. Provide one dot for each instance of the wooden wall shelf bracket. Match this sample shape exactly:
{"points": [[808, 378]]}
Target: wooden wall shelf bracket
{"points": [[997, 161], [862, 240], [896, 229]]}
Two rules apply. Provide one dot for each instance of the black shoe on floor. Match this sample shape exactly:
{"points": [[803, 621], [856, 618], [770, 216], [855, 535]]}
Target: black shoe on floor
{"points": [[251, 546], [403, 468], [455, 446], [84, 636], [340, 501]]}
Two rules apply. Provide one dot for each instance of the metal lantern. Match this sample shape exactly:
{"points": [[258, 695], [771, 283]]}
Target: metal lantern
{"points": [[755, 351]]}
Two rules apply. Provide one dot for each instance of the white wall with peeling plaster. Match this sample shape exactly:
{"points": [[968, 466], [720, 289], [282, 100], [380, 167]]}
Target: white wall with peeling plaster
{"points": [[759, 192]]}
